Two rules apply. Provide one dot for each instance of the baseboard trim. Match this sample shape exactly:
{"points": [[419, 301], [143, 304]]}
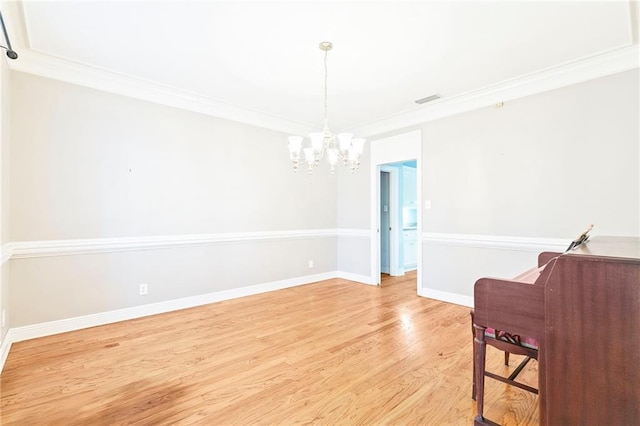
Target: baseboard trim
{"points": [[364, 279], [4, 349], [92, 320], [34, 331], [445, 296]]}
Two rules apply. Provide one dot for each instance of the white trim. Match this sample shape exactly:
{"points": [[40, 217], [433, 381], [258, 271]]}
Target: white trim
{"points": [[6, 251], [71, 324], [47, 248], [394, 149], [364, 279], [573, 72], [496, 242], [353, 233], [445, 296], [37, 63], [5, 348], [395, 220]]}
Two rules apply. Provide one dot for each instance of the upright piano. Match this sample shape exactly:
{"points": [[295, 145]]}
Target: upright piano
{"points": [[583, 307]]}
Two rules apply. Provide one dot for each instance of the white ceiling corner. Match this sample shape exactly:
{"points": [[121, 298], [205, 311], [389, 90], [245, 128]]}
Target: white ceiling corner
{"points": [[258, 62]]}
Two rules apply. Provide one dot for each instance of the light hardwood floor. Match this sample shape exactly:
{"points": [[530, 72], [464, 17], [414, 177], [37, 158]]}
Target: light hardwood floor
{"points": [[333, 352]]}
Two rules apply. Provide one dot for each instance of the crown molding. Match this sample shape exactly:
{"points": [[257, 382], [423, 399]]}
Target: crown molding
{"points": [[36, 63], [589, 68], [578, 71]]}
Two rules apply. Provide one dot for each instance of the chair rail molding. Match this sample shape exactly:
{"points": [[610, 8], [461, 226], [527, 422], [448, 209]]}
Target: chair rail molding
{"points": [[6, 250], [47, 248], [496, 242]]}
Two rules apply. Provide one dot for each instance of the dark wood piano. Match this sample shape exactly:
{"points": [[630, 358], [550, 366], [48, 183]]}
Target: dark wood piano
{"points": [[583, 307]]}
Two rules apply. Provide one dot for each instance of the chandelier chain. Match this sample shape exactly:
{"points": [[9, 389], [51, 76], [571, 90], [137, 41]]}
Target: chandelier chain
{"points": [[326, 73]]}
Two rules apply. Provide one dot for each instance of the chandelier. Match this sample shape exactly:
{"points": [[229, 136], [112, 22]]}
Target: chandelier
{"points": [[342, 147]]}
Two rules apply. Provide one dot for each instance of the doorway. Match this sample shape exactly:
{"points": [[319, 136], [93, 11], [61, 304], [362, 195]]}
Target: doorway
{"points": [[385, 153], [398, 218]]}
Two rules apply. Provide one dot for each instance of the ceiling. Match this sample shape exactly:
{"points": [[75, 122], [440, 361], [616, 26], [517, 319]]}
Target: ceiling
{"points": [[262, 58]]}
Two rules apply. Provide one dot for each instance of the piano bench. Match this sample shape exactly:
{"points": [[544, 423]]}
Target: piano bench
{"points": [[510, 344]]}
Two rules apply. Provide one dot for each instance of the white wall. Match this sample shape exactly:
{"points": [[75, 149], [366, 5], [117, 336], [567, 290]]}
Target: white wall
{"points": [[62, 287], [352, 216], [507, 183], [4, 194], [543, 166], [92, 165]]}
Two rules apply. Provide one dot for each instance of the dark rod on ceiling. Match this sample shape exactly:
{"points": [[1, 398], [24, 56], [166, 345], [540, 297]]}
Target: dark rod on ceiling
{"points": [[10, 52]]}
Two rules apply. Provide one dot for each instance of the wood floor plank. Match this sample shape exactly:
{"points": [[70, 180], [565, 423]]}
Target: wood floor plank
{"points": [[333, 352]]}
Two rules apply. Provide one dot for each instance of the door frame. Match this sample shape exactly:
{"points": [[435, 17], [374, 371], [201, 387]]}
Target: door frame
{"points": [[395, 268], [394, 149]]}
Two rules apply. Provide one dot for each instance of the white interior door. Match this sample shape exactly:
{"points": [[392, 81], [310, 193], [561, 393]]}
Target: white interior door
{"points": [[385, 223]]}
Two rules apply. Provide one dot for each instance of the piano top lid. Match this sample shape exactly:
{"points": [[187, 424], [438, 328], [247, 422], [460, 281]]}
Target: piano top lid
{"points": [[616, 247]]}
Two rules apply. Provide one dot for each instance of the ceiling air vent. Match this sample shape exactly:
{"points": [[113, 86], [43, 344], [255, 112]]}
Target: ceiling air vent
{"points": [[428, 99]]}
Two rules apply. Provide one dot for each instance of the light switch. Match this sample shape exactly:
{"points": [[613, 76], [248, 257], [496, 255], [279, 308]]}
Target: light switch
{"points": [[385, 208], [427, 204]]}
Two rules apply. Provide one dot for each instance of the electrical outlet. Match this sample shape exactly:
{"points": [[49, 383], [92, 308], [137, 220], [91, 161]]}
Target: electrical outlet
{"points": [[311, 264], [144, 289]]}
